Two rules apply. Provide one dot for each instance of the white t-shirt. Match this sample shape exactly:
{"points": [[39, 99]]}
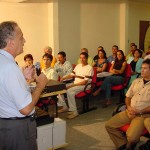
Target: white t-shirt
{"points": [[83, 71]]}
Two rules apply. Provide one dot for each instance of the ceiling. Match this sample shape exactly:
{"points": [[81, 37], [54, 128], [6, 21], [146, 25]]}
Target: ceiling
{"points": [[46, 1]]}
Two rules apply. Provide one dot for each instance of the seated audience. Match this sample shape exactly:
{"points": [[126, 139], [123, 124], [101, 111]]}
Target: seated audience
{"points": [[48, 50], [101, 63], [133, 47], [136, 64], [114, 54], [62, 67], [28, 70], [90, 61], [83, 74], [137, 113], [96, 57], [117, 70], [47, 69]]}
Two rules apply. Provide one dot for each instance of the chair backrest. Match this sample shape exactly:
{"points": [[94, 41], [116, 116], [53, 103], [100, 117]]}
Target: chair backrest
{"points": [[94, 75], [128, 71]]}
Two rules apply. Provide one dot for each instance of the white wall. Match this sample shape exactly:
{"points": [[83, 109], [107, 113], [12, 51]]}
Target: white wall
{"points": [[87, 23], [33, 20], [137, 12], [99, 25], [69, 25]]}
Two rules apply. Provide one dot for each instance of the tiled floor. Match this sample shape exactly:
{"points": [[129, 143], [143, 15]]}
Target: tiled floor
{"points": [[87, 132]]}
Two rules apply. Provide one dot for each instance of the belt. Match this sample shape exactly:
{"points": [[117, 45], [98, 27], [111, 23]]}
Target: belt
{"points": [[31, 117]]}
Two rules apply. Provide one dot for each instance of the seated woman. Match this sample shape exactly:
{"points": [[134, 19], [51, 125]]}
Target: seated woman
{"points": [[96, 57], [102, 62], [28, 70], [136, 63], [47, 69], [117, 69]]}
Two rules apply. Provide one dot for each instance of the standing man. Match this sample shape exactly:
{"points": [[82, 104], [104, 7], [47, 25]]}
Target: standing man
{"points": [[17, 121], [48, 50], [137, 113]]}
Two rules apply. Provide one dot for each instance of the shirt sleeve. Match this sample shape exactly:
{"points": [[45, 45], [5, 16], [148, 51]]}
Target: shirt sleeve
{"points": [[68, 69], [54, 75], [130, 90]]}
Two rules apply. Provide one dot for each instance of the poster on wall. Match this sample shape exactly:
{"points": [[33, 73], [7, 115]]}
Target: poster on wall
{"points": [[144, 36]]}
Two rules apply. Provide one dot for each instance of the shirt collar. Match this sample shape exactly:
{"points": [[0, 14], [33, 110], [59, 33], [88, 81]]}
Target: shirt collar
{"points": [[47, 69], [62, 64], [6, 54]]}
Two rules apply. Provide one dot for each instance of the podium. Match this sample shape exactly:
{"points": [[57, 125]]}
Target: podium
{"points": [[52, 136]]}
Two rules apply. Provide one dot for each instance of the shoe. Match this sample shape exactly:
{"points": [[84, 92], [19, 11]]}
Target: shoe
{"points": [[70, 112], [73, 115], [62, 110], [96, 92]]}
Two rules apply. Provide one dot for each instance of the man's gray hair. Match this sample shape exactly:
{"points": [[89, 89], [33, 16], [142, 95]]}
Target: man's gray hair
{"points": [[48, 48], [7, 29]]}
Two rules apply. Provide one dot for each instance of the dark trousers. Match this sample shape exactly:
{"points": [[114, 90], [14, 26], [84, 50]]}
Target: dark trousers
{"points": [[18, 134], [108, 82]]}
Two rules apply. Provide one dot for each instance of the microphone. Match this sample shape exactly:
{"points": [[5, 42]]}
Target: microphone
{"points": [[38, 68]]}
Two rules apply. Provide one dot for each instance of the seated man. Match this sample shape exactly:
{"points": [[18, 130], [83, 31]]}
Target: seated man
{"points": [[48, 50], [62, 67], [137, 113], [47, 69], [83, 74], [112, 57], [133, 47], [90, 60]]}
